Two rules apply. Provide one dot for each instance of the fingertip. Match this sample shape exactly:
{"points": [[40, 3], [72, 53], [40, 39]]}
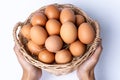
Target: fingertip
{"points": [[99, 48], [100, 44], [15, 48]]}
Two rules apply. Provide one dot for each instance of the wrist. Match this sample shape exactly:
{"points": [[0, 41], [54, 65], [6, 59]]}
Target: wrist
{"points": [[86, 76], [31, 75]]}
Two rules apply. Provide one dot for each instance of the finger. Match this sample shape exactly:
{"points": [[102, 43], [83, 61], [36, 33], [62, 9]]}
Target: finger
{"points": [[92, 61], [17, 52], [95, 57]]}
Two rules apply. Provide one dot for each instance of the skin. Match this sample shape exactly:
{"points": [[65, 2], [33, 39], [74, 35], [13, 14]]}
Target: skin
{"points": [[29, 71], [84, 72]]}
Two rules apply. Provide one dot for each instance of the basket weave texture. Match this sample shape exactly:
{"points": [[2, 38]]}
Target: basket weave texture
{"points": [[57, 69]]}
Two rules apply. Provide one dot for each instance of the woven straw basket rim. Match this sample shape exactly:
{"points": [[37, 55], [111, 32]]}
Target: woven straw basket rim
{"points": [[58, 69]]}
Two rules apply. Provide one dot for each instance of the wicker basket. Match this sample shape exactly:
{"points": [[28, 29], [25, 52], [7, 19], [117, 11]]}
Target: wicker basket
{"points": [[57, 69]]}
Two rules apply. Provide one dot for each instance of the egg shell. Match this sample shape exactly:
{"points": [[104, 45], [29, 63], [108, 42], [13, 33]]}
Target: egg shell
{"points": [[86, 33], [25, 31], [38, 35], [68, 32], [66, 15], [53, 43], [53, 27], [52, 12], [79, 19], [38, 19], [46, 56], [63, 56], [34, 48], [77, 48]]}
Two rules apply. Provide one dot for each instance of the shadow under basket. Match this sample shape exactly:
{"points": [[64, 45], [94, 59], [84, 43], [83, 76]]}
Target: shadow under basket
{"points": [[57, 69]]}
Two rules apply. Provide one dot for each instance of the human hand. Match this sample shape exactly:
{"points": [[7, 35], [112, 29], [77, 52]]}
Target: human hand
{"points": [[86, 70], [30, 72]]}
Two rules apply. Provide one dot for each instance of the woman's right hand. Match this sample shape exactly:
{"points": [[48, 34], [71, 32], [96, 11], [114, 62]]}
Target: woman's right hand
{"points": [[30, 72]]}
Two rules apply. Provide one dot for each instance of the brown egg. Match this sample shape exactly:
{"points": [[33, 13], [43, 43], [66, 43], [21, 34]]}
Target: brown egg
{"points": [[52, 12], [38, 19], [67, 14], [53, 43], [77, 48], [34, 48], [68, 32], [86, 33], [46, 56], [79, 19], [25, 31], [63, 56], [53, 26], [38, 35]]}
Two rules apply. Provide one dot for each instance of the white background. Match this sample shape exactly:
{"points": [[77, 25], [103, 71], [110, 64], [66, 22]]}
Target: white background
{"points": [[106, 12]]}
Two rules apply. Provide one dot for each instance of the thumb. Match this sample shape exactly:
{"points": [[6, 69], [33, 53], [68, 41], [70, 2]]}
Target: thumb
{"points": [[92, 61]]}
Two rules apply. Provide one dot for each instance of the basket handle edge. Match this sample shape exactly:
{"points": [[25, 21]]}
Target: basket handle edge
{"points": [[16, 40]]}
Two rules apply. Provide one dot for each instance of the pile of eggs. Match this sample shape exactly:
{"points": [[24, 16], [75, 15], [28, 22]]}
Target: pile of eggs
{"points": [[57, 35]]}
